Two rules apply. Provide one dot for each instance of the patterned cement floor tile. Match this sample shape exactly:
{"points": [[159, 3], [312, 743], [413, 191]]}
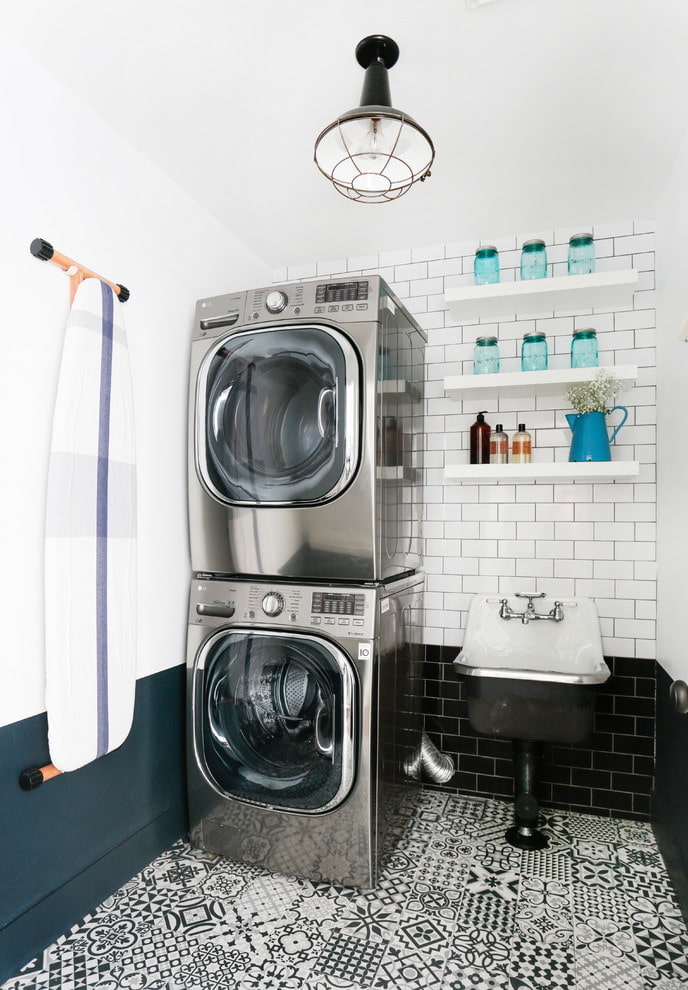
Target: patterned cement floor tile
{"points": [[546, 864], [370, 920], [448, 846], [430, 900], [590, 827], [463, 977], [403, 967], [488, 910], [346, 957], [594, 900], [437, 874], [600, 936], [542, 965], [481, 949], [456, 908], [606, 970]]}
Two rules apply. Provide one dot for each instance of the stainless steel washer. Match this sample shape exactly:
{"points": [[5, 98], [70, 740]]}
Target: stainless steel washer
{"points": [[306, 433], [304, 718]]}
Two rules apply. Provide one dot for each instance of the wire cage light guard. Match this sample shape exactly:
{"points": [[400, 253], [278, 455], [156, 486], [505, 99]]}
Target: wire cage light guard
{"points": [[374, 154]]}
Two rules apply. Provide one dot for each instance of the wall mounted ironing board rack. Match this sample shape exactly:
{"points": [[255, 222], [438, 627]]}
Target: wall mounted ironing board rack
{"points": [[32, 778], [42, 249]]}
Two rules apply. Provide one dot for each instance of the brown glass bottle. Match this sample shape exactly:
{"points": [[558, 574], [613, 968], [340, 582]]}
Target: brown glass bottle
{"points": [[480, 441]]}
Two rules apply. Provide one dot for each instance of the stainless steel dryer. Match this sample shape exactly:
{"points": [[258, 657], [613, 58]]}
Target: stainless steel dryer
{"points": [[306, 433], [304, 722]]}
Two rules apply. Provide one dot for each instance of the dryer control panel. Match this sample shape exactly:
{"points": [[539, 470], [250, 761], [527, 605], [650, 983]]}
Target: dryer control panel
{"points": [[342, 612]]}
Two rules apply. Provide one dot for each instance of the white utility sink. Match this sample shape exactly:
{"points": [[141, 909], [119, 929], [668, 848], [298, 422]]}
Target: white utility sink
{"points": [[567, 652]]}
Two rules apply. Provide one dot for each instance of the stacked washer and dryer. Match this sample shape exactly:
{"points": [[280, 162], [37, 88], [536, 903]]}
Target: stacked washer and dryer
{"points": [[305, 505]]}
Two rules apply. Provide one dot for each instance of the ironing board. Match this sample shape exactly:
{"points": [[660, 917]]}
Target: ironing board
{"points": [[90, 537]]}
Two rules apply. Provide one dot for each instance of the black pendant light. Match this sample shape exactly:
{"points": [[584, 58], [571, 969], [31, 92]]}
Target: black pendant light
{"points": [[375, 153]]}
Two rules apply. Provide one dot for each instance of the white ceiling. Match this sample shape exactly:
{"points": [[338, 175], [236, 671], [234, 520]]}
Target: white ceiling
{"points": [[544, 113]]}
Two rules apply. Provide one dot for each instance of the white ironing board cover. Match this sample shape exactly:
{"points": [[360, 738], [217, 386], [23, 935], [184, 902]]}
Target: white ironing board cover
{"points": [[90, 537]]}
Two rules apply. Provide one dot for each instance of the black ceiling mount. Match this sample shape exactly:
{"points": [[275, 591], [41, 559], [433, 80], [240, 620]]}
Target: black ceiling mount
{"points": [[377, 46], [376, 54]]}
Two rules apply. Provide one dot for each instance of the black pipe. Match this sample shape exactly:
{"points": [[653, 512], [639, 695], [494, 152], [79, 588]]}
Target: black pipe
{"points": [[524, 834]]}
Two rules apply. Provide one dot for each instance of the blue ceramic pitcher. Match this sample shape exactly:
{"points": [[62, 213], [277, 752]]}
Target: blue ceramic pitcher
{"points": [[590, 440]]}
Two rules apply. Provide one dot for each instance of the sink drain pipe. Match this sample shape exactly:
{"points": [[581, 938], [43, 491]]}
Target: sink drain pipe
{"points": [[525, 833]]}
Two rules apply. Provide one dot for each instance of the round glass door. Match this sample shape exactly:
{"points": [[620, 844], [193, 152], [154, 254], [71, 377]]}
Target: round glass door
{"points": [[273, 719], [277, 416]]}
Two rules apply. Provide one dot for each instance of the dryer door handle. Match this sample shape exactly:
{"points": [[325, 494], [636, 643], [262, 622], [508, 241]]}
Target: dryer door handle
{"points": [[322, 425]]}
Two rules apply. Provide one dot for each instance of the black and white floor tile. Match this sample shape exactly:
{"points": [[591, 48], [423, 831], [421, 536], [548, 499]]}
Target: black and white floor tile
{"points": [[456, 908]]}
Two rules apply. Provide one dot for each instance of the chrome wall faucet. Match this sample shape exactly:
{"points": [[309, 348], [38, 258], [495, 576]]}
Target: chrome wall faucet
{"points": [[555, 614]]}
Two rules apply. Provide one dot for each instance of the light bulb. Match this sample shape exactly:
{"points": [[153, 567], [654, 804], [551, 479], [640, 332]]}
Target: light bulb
{"points": [[374, 144]]}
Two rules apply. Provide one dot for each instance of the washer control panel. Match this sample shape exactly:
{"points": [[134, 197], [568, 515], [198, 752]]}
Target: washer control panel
{"points": [[341, 612], [336, 300]]}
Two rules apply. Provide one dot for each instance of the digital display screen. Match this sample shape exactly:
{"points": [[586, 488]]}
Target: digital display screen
{"points": [[341, 292], [333, 603]]}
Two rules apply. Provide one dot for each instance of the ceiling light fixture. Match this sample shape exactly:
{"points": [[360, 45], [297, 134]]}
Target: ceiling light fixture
{"points": [[375, 153]]}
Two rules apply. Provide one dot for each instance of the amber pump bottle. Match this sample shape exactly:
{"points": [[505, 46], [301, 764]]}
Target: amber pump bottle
{"points": [[521, 446], [480, 440]]}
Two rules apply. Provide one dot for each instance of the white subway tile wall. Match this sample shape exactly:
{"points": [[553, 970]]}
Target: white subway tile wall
{"points": [[593, 540]]}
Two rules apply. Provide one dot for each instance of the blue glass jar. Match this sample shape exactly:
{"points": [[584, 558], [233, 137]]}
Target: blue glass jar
{"points": [[584, 351], [385, 365], [581, 254], [534, 353], [486, 356], [486, 265], [533, 259]]}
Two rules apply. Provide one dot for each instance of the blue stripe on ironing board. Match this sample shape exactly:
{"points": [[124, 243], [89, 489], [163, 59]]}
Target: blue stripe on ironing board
{"points": [[102, 520]]}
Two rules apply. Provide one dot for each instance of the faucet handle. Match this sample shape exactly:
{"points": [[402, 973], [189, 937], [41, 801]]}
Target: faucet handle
{"points": [[524, 594], [557, 613]]}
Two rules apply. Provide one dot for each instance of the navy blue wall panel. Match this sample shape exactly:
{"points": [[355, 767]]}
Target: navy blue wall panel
{"points": [[77, 838], [670, 805]]}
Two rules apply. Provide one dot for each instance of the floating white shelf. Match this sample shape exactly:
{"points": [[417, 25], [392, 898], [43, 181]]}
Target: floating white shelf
{"points": [[551, 382], [560, 471], [400, 473], [542, 295], [399, 388]]}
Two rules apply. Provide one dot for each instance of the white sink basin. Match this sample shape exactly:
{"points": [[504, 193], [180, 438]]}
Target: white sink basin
{"points": [[567, 652]]}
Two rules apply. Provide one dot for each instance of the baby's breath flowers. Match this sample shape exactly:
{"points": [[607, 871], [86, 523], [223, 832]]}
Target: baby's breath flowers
{"points": [[597, 395]]}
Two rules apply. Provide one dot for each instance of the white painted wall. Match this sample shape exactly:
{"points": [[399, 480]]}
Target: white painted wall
{"points": [[672, 384], [592, 540], [68, 177]]}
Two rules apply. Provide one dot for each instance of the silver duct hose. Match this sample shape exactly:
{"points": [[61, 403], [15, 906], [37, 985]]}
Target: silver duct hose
{"points": [[427, 759]]}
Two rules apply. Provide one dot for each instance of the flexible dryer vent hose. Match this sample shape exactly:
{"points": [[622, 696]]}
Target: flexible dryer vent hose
{"points": [[427, 759], [437, 766]]}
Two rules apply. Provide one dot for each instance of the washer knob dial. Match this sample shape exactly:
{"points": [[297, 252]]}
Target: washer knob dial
{"points": [[276, 301], [272, 604]]}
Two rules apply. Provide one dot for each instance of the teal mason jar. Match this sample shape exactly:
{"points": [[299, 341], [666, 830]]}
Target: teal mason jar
{"points": [[486, 356], [533, 260], [584, 352], [581, 254], [534, 354], [486, 265]]}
